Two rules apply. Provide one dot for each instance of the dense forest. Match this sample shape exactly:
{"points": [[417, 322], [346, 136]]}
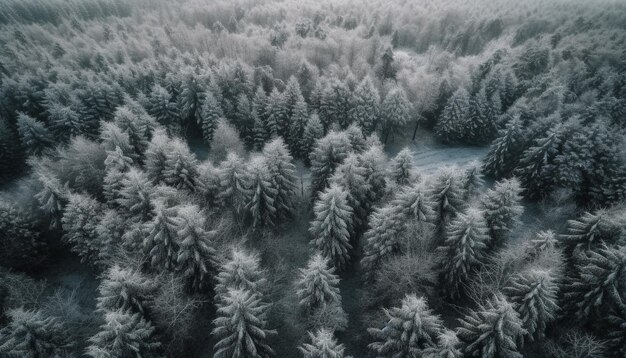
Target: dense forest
{"points": [[316, 179]]}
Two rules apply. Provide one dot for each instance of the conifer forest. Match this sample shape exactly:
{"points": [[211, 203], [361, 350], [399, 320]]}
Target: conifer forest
{"points": [[312, 178]]}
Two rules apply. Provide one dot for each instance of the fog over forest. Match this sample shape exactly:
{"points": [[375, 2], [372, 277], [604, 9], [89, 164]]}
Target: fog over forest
{"points": [[312, 179]]}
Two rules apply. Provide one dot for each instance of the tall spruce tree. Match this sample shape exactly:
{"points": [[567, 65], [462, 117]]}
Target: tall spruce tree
{"points": [[242, 271], [327, 155], [210, 113], [402, 167], [452, 124], [395, 112], [323, 345], [505, 151], [502, 208], [365, 109], [313, 131], [161, 240], [35, 137], [260, 193], [126, 290], [282, 175], [32, 334], [318, 285]]}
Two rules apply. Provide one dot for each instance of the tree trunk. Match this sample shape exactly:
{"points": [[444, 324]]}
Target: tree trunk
{"points": [[415, 131]]}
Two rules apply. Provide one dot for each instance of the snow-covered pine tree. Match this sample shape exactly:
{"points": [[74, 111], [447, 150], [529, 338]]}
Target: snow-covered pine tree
{"points": [[164, 110], [416, 205], [375, 162], [502, 208], [161, 241], [448, 346], [260, 193], [448, 194], [365, 109], [299, 119], [181, 167], [113, 137], [318, 285], [32, 334], [277, 115], [35, 137], [463, 249], [135, 196], [617, 331], [233, 173], [590, 231], [115, 165], [335, 104], [332, 225], [190, 98], [281, 170], [452, 124], [492, 330], [480, 125], [382, 238], [209, 115], [243, 119], [136, 122], [395, 112], [241, 326], [80, 220], [505, 151], [473, 180], [350, 177], [599, 284], [410, 329], [259, 104], [533, 294], [196, 255], [537, 169], [327, 155], [402, 167], [259, 132], [51, 198], [64, 121], [542, 241], [156, 157], [323, 345], [126, 290], [124, 334], [357, 140], [313, 131], [241, 271]]}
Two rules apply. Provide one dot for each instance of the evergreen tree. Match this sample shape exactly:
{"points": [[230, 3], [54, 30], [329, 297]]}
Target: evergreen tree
{"points": [[259, 104], [505, 151], [260, 193], [282, 175], [453, 123], [410, 329], [156, 156], [31, 334], [590, 231], [473, 180], [464, 248], [210, 113], [375, 162], [242, 271], [542, 241], [414, 203], [240, 326], [599, 284], [51, 198], [328, 153], [190, 98], [501, 208], [259, 133], [365, 108], [387, 69], [124, 334], [243, 120], [305, 76], [335, 104], [135, 122], [161, 242], [277, 115], [79, 222], [332, 225], [534, 296], [402, 167], [135, 196], [357, 140], [116, 165], [299, 119], [382, 238], [196, 256], [124, 289], [617, 332], [34, 136], [162, 107], [448, 194], [233, 173], [113, 137], [317, 286], [448, 346], [323, 345], [313, 131], [181, 167], [480, 125], [492, 330], [350, 176], [64, 122], [395, 111]]}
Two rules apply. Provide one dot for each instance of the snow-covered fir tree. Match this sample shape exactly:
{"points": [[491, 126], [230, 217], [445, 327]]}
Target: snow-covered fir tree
{"points": [[196, 255], [35, 137], [135, 195], [260, 193], [492, 330], [480, 125], [335, 104], [233, 173], [210, 113], [365, 109], [318, 285], [323, 345], [241, 326], [357, 140], [590, 231], [448, 194], [473, 180], [124, 334], [282, 175], [64, 121], [505, 151], [332, 224], [328, 153], [80, 220], [135, 122], [415, 204], [541, 242], [51, 198], [463, 249], [161, 241], [125, 289], [33, 334], [402, 167], [241, 271], [410, 329], [502, 208], [243, 120], [156, 156], [448, 346], [113, 137], [181, 167], [386, 225], [313, 131], [534, 296], [299, 119], [164, 109], [453, 122], [395, 112], [277, 115], [350, 176]]}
